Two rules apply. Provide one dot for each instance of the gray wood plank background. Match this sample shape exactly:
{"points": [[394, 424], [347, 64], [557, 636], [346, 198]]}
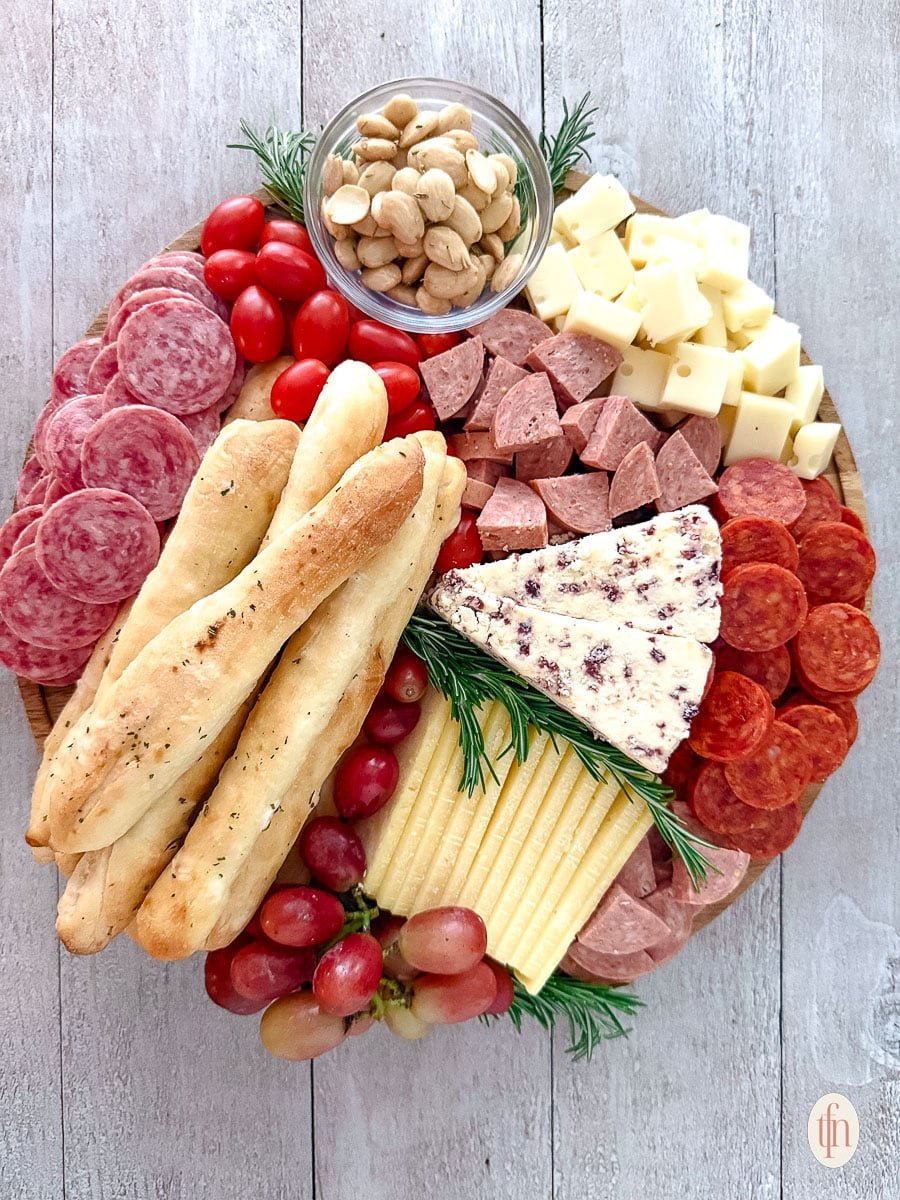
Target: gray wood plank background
{"points": [[117, 1079]]}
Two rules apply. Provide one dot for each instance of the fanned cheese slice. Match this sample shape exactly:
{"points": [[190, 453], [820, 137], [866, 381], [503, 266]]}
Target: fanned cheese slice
{"points": [[634, 689], [661, 576]]}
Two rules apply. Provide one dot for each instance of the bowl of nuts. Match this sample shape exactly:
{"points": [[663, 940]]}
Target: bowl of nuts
{"points": [[429, 204]]}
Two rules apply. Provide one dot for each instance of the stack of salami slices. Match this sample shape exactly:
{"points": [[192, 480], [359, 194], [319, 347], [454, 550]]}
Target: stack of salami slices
{"points": [[114, 450]]}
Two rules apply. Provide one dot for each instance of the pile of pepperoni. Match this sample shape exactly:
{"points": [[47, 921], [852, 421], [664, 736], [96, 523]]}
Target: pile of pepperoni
{"points": [[795, 650]]}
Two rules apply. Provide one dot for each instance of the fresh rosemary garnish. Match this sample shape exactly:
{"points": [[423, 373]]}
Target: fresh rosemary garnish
{"points": [[282, 155], [568, 145], [593, 1011], [468, 678]]}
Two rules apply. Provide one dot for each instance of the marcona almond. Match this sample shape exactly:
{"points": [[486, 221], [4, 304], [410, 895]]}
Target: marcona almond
{"points": [[338, 232], [400, 159], [454, 116], [372, 149], [465, 220], [410, 249], [496, 212], [345, 253], [506, 272], [400, 110], [377, 125], [500, 171], [435, 193], [400, 214], [377, 177], [351, 171], [381, 279], [376, 252], [493, 245], [475, 196], [403, 294], [414, 268], [349, 204], [435, 306], [512, 170], [447, 284], [446, 247], [471, 294], [406, 180], [481, 171], [367, 227], [421, 126], [489, 264], [333, 174], [513, 222], [439, 153], [461, 139]]}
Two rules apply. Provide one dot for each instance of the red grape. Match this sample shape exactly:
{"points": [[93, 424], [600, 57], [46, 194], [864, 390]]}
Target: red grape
{"points": [[389, 721], [333, 852], [449, 999], [505, 990], [262, 972], [407, 677], [443, 941], [295, 1027], [348, 974], [365, 781], [302, 916], [404, 1024], [220, 989], [386, 928], [360, 1025]]}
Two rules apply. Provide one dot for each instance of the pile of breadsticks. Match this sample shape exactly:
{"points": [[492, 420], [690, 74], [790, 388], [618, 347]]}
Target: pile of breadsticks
{"points": [[195, 745]]}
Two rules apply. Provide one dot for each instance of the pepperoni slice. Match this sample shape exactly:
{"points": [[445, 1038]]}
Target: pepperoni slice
{"points": [[838, 649], [849, 517], [771, 834], [41, 614], [681, 767], [757, 487], [776, 773], [757, 539], [763, 606], [72, 368], [846, 710], [770, 668], [734, 717], [824, 734], [820, 504], [53, 668], [715, 804], [837, 562]]}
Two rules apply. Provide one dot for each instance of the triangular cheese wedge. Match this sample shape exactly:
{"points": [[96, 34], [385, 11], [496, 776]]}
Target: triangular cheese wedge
{"points": [[661, 576], [634, 689]]}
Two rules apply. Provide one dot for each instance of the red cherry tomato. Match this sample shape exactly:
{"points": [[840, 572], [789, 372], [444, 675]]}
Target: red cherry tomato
{"points": [[228, 272], [462, 548], [322, 327], [356, 314], [390, 721], [407, 677], [365, 781], [417, 417], [235, 224], [281, 230], [296, 390], [372, 342], [289, 272], [290, 316], [436, 343], [401, 384], [257, 324]]}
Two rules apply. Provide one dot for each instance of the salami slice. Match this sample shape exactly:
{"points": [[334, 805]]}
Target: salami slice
{"points": [[513, 519], [66, 433], [117, 392], [176, 279], [97, 545], [729, 869], [704, 436], [29, 477], [501, 375], [757, 539], [579, 421], [819, 504], [103, 368], [144, 452], [136, 301], [485, 470], [772, 833], [233, 390], [55, 491], [715, 804], [451, 377], [621, 924], [476, 494], [734, 717], [53, 668], [837, 562], [593, 967], [526, 416], [38, 493], [577, 502], [13, 526], [635, 482], [480, 446], [679, 917], [203, 427], [576, 363], [72, 368], [619, 428], [512, 334], [763, 606], [547, 461], [838, 649], [823, 733], [40, 613], [188, 260], [27, 536], [682, 477], [177, 355], [777, 772], [757, 487], [770, 668], [849, 517], [45, 416], [637, 877]]}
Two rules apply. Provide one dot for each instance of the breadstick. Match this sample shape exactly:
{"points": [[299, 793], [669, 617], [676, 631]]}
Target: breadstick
{"points": [[275, 842], [348, 420], [252, 403], [319, 664], [180, 691]]}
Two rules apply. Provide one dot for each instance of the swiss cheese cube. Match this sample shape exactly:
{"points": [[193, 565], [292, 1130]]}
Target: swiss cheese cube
{"points": [[761, 428], [602, 319], [741, 338], [597, 207], [727, 417], [673, 305], [641, 376], [554, 284], [745, 305], [735, 384], [631, 298], [645, 232], [713, 333], [697, 380], [602, 266], [726, 252], [813, 447], [558, 234], [772, 360], [804, 393]]}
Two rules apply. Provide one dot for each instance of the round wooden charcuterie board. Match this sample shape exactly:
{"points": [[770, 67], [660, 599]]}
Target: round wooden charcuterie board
{"points": [[43, 704]]}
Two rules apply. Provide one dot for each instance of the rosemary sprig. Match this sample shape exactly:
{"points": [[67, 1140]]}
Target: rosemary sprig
{"points": [[282, 155], [568, 145], [593, 1011], [468, 678]]}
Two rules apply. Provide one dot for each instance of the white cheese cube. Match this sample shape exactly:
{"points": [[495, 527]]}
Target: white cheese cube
{"points": [[804, 393], [726, 418], [676, 250], [554, 284], [558, 234], [713, 332], [645, 231], [741, 338], [602, 319], [558, 324], [813, 447], [697, 380], [596, 208], [668, 417], [772, 360], [695, 219], [602, 266], [746, 305], [641, 376], [726, 252], [673, 305], [735, 384], [631, 298], [761, 428]]}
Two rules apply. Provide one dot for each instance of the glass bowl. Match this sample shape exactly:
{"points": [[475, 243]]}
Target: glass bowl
{"points": [[499, 131]]}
